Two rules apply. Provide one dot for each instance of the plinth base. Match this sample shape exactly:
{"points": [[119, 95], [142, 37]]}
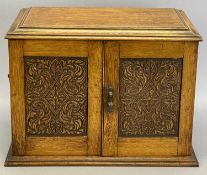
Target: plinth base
{"points": [[181, 161]]}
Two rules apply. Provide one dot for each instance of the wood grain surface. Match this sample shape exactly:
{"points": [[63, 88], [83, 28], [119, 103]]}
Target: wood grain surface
{"points": [[95, 97], [174, 161], [151, 49], [117, 18], [82, 145], [16, 75], [187, 98], [146, 146], [111, 79], [103, 24], [106, 37]]}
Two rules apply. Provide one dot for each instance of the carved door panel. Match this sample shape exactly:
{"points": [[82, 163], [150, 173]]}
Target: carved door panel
{"points": [[142, 105], [62, 97]]}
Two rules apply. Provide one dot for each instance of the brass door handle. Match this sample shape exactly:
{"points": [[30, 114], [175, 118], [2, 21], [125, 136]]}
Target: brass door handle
{"points": [[110, 99]]}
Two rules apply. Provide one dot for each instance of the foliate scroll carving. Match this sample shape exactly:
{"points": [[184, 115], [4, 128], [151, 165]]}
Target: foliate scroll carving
{"points": [[55, 96], [149, 97]]}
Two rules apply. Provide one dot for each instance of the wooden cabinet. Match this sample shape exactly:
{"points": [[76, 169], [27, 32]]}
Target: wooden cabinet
{"points": [[102, 86]]}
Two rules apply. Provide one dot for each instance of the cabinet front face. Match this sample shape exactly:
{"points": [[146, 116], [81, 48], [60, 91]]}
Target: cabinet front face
{"points": [[145, 80], [61, 96], [57, 97]]}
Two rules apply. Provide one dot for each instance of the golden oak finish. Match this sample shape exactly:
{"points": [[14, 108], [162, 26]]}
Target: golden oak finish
{"points": [[103, 24], [100, 161], [51, 146], [56, 145], [135, 147], [151, 49], [98, 18], [140, 146], [102, 86], [95, 96], [17, 95], [52, 47], [111, 50], [187, 98]]}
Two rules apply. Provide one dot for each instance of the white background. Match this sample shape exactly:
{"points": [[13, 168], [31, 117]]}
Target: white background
{"points": [[197, 12]]}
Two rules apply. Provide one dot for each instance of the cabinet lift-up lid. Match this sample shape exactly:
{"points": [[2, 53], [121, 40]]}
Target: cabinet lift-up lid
{"points": [[103, 24]]}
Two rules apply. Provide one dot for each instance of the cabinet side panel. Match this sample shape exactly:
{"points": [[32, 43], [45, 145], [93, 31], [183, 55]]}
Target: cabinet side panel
{"points": [[95, 97], [187, 98], [17, 95]]}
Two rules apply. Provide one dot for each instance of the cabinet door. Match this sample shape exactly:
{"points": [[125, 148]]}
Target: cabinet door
{"points": [[142, 90], [56, 96]]}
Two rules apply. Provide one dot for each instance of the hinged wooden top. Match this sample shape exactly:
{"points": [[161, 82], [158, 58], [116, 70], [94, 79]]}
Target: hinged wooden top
{"points": [[102, 23]]}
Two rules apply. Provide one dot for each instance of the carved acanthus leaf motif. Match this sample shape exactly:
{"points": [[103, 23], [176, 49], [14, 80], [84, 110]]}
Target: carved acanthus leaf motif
{"points": [[149, 97], [56, 96]]}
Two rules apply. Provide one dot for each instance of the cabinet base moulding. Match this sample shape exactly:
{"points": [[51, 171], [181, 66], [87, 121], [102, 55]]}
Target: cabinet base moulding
{"points": [[183, 161]]}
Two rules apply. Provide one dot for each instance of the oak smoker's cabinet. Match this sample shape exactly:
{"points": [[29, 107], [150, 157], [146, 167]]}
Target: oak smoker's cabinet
{"points": [[102, 86]]}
